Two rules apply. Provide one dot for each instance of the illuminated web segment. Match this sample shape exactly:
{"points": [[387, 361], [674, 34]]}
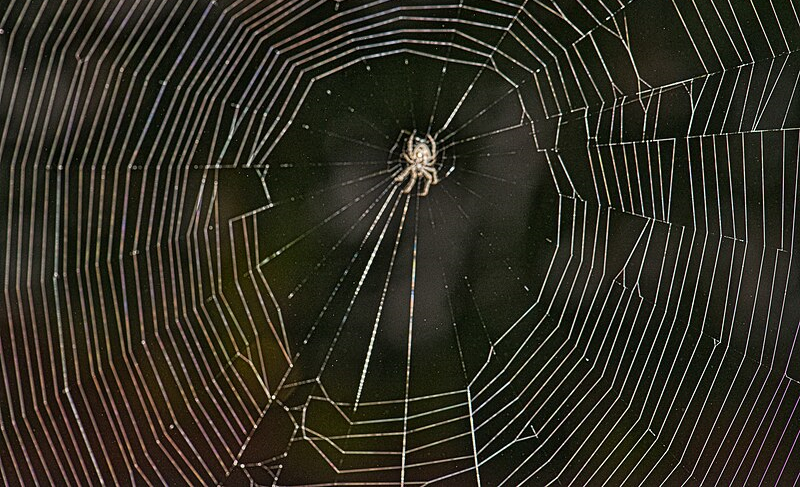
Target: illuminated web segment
{"points": [[211, 276]]}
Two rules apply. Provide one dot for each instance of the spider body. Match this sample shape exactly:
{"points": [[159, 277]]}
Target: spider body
{"points": [[421, 161]]}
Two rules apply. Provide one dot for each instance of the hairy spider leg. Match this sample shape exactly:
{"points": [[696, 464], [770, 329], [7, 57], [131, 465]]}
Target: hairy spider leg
{"points": [[404, 173], [433, 147], [428, 181], [411, 182], [410, 142]]}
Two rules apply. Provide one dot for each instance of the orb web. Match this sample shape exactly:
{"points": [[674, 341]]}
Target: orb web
{"points": [[211, 275]]}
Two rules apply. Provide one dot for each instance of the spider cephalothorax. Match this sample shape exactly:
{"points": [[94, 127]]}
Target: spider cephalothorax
{"points": [[421, 161]]}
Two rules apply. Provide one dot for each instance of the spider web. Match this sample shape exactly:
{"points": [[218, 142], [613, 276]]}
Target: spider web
{"points": [[210, 276]]}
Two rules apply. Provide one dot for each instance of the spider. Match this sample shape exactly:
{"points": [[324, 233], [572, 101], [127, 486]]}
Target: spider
{"points": [[421, 159]]}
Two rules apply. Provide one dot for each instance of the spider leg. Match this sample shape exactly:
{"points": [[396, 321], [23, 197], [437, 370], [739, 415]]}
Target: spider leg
{"points": [[400, 177], [432, 174], [411, 141], [433, 147], [412, 181], [427, 187], [408, 158]]}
